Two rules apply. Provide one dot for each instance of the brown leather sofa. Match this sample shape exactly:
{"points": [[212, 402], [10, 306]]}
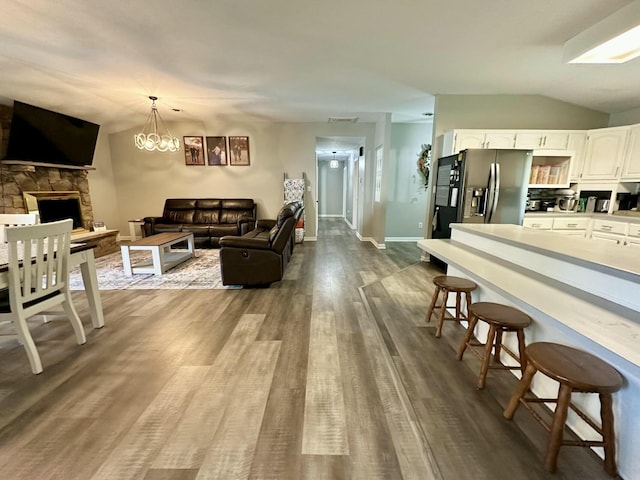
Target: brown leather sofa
{"points": [[209, 219], [260, 256]]}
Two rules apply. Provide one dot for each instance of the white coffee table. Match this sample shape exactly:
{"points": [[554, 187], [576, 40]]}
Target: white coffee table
{"points": [[162, 257]]}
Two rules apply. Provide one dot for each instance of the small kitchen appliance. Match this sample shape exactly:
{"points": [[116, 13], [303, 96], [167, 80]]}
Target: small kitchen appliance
{"points": [[566, 200]]}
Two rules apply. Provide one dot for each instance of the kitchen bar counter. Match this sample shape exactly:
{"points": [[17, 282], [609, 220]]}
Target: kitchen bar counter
{"points": [[579, 293], [620, 262], [628, 218]]}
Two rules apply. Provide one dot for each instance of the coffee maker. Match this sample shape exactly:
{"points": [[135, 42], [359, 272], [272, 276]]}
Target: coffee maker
{"points": [[566, 200]]}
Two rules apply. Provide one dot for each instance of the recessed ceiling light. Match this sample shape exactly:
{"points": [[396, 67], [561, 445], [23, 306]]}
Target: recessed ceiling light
{"points": [[616, 39]]}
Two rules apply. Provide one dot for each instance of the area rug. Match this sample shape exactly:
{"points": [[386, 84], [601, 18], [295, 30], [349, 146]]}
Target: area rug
{"points": [[202, 272]]}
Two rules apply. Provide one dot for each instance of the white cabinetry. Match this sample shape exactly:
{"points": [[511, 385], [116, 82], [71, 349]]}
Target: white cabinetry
{"points": [[604, 153], [541, 139], [633, 235], [577, 144], [631, 167], [571, 225], [610, 231], [456, 140], [538, 223]]}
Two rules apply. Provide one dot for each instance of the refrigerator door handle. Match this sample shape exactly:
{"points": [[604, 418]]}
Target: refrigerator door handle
{"points": [[496, 189], [488, 207]]}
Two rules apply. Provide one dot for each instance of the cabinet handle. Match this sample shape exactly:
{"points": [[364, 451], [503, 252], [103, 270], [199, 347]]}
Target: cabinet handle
{"points": [[606, 227], [572, 225], [616, 174], [544, 140]]}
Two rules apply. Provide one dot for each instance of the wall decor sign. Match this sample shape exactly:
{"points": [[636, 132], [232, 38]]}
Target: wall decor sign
{"points": [[239, 151], [217, 151], [193, 150]]}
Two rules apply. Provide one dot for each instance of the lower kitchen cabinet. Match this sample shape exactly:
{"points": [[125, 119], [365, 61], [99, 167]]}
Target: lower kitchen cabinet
{"points": [[608, 237]]}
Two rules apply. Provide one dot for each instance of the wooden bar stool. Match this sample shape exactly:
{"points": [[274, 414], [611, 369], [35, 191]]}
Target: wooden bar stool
{"points": [[501, 319], [576, 371], [447, 284]]}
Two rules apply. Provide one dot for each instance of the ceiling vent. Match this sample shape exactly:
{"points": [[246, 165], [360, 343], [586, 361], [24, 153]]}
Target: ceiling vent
{"points": [[343, 119]]}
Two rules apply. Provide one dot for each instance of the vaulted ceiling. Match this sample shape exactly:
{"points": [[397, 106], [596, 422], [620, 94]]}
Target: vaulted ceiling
{"points": [[298, 61]]}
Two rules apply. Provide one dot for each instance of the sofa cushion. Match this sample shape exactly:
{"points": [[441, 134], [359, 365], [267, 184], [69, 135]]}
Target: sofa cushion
{"points": [[167, 227], [179, 216], [222, 230], [197, 230], [206, 216], [208, 203], [273, 232]]}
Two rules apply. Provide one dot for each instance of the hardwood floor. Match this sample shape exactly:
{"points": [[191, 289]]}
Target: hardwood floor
{"points": [[329, 374]]}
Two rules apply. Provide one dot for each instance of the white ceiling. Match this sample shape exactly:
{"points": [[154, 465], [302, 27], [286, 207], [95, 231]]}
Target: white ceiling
{"points": [[297, 60]]}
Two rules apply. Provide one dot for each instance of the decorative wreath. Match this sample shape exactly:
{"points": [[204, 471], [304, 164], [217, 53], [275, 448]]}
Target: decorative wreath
{"points": [[424, 163]]}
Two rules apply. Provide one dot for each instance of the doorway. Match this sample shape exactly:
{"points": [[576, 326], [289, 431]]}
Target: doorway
{"points": [[337, 178]]}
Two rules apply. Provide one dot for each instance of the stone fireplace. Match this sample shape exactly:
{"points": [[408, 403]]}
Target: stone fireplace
{"points": [[26, 188]]}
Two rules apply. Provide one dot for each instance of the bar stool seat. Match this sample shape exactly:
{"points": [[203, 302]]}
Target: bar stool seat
{"points": [[446, 284], [576, 371], [501, 319]]}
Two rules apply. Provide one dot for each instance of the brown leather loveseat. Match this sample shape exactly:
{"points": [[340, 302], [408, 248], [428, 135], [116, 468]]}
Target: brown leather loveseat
{"points": [[209, 219], [260, 256]]}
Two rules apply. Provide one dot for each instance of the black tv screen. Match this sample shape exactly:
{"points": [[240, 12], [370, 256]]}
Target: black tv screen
{"points": [[40, 135]]}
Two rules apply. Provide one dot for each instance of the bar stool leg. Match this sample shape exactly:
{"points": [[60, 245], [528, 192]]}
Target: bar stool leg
{"points": [[608, 437], [443, 311], [498, 345], [458, 298], [434, 299], [521, 389], [491, 338], [557, 428], [521, 351], [467, 296], [467, 336]]}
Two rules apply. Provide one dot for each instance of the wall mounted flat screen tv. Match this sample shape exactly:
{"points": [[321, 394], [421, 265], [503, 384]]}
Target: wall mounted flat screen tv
{"points": [[42, 136]]}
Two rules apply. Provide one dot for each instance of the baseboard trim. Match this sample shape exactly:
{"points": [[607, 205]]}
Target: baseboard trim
{"points": [[402, 239]]}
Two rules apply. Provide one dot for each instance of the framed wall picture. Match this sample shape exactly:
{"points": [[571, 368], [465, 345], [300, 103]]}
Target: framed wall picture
{"points": [[193, 150], [217, 150], [239, 151]]}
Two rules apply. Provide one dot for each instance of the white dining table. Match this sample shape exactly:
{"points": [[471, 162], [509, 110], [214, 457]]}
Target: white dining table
{"points": [[81, 256]]}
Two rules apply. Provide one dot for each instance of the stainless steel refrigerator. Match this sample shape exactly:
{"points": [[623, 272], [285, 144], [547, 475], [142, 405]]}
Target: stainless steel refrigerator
{"points": [[480, 186]]}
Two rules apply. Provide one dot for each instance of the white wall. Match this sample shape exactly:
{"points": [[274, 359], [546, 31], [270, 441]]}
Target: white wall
{"points": [[406, 198], [143, 180], [629, 117], [101, 184], [379, 211]]}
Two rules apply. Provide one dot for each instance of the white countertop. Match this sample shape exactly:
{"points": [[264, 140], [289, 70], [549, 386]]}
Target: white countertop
{"points": [[623, 262], [595, 216]]}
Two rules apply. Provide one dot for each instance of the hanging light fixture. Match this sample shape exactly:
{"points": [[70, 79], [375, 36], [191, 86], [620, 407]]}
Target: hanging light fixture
{"points": [[334, 163], [153, 139]]}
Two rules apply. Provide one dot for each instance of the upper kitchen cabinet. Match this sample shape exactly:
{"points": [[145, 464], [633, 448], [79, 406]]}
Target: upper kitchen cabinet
{"points": [[540, 139], [631, 166], [456, 140], [604, 153], [577, 144]]}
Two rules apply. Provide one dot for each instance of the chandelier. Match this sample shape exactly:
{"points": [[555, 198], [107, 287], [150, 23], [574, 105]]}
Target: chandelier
{"points": [[334, 163], [153, 139]]}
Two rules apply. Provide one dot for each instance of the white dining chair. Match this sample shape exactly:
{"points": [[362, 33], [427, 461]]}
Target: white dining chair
{"points": [[15, 220], [38, 285]]}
